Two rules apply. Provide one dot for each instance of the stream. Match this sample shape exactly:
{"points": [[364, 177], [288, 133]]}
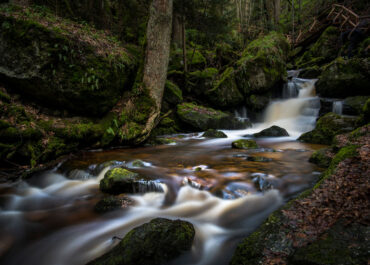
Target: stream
{"points": [[50, 218]]}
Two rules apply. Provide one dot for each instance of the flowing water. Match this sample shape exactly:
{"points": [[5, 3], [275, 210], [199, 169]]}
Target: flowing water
{"points": [[49, 219]]}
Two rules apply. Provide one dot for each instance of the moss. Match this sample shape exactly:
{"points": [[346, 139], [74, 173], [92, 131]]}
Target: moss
{"points": [[244, 144], [327, 127], [212, 133], [257, 102], [118, 180], [4, 97], [225, 93], [172, 93], [321, 158]]}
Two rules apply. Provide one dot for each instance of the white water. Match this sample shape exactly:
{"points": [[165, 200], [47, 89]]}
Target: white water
{"points": [[216, 221]]}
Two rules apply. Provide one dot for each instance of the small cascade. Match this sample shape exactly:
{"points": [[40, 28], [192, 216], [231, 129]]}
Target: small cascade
{"points": [[298, 111], [241, 114], [338, 107]]}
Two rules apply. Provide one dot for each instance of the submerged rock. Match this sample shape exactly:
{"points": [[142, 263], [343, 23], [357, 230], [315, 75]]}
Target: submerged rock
{"points": [[244, 144], [212, 133], [119, 180], [273, 131], [258, 159], [156, 242], [327, 127], [202, 118], [112, 203]]}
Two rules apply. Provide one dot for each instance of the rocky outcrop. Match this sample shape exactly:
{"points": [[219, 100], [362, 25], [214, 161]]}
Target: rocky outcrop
{"points": [[273, 131], [327, 127], [344, 78], [64, 66], [202, 118], [157, 242]]}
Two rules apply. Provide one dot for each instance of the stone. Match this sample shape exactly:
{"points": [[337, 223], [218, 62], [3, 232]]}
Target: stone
{"points": [[113, 203], [157, 242], [354, 105], [244, 144], [273, 131], [212, 133], [258, 159], [321, 157]]}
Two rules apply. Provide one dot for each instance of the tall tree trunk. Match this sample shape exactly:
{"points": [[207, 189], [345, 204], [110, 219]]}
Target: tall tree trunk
{"points": [[277, 11], [141, 113], [183, 33]]}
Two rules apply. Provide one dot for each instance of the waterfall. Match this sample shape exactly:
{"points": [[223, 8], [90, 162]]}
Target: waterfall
{"points": [[338, 107], [298, 111], [241, 113]]}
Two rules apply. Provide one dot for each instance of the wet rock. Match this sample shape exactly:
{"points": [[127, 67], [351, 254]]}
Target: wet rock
{"points": [[244, 144], [273, 131], [235, 190], [138, 163], [262, 182], [113, 203], [119, 180], [310, 72], [257, 102], [327, 127], [258, 159], [345, 78], [77, 174], [156, 242], [202, 118], [354, 105], [322, 157], [212, 133]]}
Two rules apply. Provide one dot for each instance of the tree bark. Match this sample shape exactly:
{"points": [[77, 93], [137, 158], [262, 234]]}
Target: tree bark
{"points": [[142, 111]]}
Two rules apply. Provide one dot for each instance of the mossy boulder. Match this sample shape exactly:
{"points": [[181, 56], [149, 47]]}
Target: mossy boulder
{"points": [[345, 78], [244, 144], [200, 81], [273, 131], [202, 118], [120, 180], [262, 64], [172, 93], [212, 133], [225, 93], [321, 157], [324, 50], [310, 72], [157, 242], [354, 105], [327, 127], [257, 102], [62, 66]]}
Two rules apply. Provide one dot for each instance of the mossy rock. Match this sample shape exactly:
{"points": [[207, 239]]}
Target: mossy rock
{"points": [[201, 81], [354, 105], [310, 72], [225, 93], [273, 131], [119, 180], [172, 93], [157, 242], [324, 50], [58, 68], [262, 65], [212, 133], [257, 102], [327, 127], [244, 144], [344, 78], [112, 203], [321, 157], [202, 118]]}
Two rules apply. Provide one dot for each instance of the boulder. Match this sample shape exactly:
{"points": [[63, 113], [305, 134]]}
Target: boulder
{"points": [[120, 180], [225, 93], [322, 157], [327, 127], [273, 131], [212, 133], [244, 144], [257, 102], [201, 81], [344, 78], [157, 242], [202, 118], [172, 93], [112, 203], [354, 105], [262, 65], [62, 66]]}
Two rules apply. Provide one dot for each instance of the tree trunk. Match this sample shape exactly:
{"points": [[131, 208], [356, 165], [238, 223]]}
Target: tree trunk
{"points": [[177, 31], [185, 61], [142, 111]]}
